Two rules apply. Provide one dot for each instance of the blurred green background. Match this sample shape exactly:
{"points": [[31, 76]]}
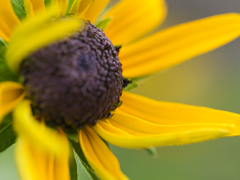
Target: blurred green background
{"points": [[211, 80]]}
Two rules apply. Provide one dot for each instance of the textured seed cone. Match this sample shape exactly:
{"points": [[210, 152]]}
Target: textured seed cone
{"points": [[76, 81]]}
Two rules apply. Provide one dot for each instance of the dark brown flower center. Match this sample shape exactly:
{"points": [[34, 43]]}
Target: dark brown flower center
{"points": [[76, 81]]}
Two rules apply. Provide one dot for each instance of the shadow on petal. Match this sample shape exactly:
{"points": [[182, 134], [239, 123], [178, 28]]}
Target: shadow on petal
{"points": [[11, 94], [98, 155]]}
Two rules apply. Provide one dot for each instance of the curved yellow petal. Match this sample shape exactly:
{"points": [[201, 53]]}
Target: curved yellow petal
{"points": [[28, 8], [75, 6], [37, 133], [111, 134], [79, 7], [134, 18], [36, 33], [168, 113], [177, 44], [34, 163], [33, 6], [25, 162], [62, 164], [32, 24], [98, 155], [62, 6], [11, 94], [95, 10], [8, 20], [136, 126]]}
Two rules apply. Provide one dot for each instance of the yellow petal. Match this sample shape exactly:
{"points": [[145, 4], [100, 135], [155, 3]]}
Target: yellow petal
{"points": [[95, 10], [35, 164], [134, 18], [79, 7], [62, 164], [25, 161], [75, 6], [177, 44], [11, 94], [167, 113], [133, 124], [32, 24], [36, 33], [28, 8], [8, 20], [136, 126], [62, 6], [33, 6], [98, 155], [37, 133], [112, 135], [84, 5]]}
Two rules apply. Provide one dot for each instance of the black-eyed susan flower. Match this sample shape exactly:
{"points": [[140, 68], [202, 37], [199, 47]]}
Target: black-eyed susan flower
{"points": [[68, 79]]}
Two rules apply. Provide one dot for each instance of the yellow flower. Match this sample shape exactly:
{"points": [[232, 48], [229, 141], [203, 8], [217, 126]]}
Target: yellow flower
{"points": [[43, 152]]}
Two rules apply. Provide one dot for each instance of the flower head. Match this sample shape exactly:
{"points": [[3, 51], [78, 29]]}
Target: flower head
{"points": [[69, 82]]}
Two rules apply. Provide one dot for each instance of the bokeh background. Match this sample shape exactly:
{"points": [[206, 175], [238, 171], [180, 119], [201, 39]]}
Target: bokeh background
{"points": [[211, 80]]}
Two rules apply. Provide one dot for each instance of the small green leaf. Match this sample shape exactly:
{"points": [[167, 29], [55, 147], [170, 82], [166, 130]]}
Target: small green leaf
{"points": [[80, 155], [18, 7], [2, 43], [70, 2], [135, 82], [5, 72], [131, 86], [73, 167], [47, 2], [2, 48], [6, 120], [107, 143], [7, 135], [73, 135], [104, 23], [152, 152]]}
